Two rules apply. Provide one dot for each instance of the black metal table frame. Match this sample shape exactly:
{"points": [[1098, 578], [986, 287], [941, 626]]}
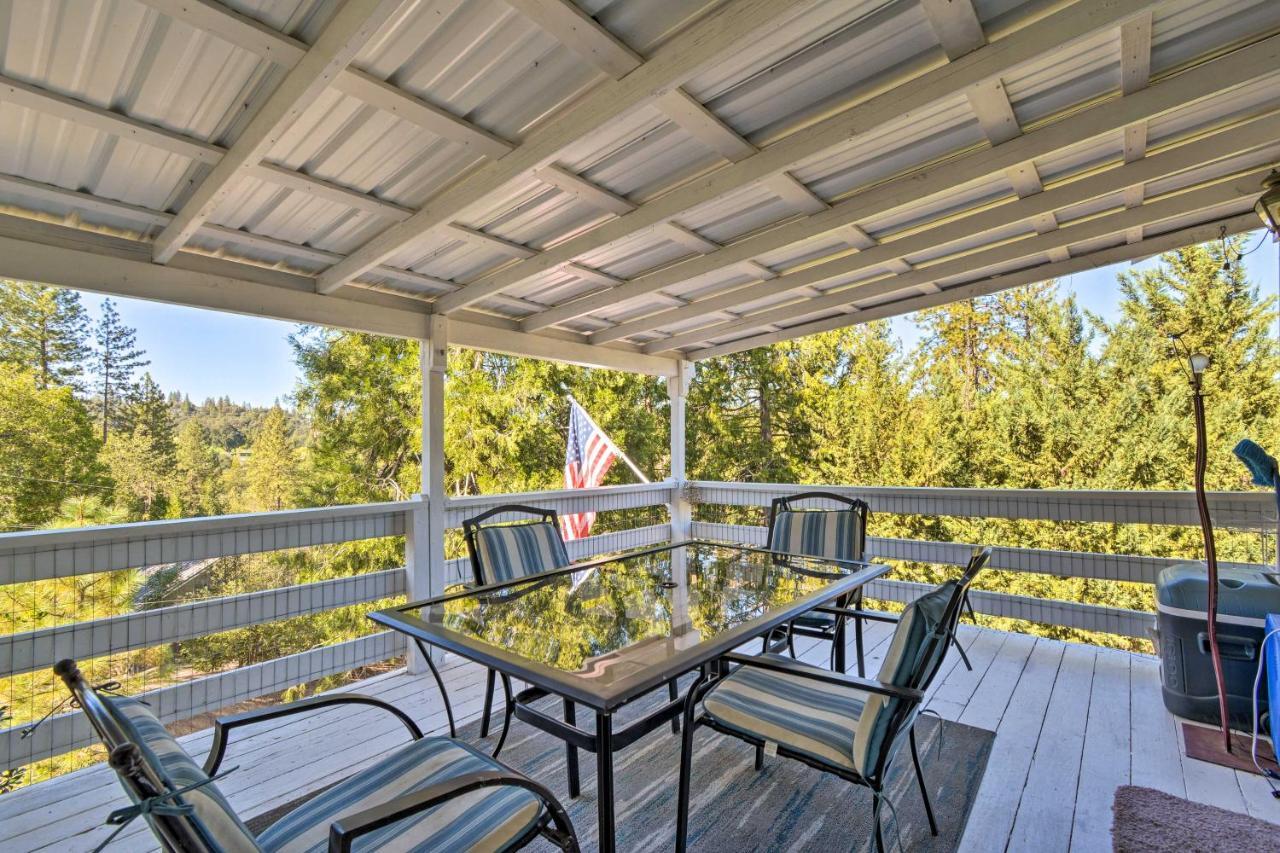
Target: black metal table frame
{"points": [[547, 681]]}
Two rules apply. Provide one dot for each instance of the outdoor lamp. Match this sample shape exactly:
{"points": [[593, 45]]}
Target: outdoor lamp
{"points": [[1268, 206], [1199, 363]]}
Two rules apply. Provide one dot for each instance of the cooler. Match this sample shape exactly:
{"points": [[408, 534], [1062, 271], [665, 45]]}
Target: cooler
{"points": [[1245, 597]]}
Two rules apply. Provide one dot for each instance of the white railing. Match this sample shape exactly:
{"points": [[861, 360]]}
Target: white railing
{"points": [[1230, 510], [30, 557], [45, 555]]}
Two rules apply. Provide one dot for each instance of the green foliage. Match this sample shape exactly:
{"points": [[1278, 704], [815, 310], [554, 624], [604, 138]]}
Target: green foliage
{"points": [[116, 359], [196, 467], [272, 470], [48, 449], [44, 330]]}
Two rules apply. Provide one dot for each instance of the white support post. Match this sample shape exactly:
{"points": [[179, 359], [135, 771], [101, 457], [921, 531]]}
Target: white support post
{"points": [[424, 545], [681, 510]]}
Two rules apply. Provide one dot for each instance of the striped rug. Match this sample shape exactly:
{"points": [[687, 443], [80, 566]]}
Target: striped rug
{"points": [[785, 807]]}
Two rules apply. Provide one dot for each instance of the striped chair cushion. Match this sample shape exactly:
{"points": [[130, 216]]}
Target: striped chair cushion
{"points": [[487, 819], [510, 551], [830, 534], [212, 816], [809, 717], [902, 667]]}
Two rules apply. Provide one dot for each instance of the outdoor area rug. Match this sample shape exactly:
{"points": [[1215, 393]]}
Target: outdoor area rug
{"points": [[1147, 820], [786, 806]]}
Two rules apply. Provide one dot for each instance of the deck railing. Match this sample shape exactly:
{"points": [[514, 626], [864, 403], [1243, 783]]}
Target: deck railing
{"points": [[30, 557]]}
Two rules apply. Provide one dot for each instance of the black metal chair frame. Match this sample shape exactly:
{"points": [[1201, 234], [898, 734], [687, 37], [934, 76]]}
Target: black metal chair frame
{"points": [[179, 833], [902, 722], [784, 638]]}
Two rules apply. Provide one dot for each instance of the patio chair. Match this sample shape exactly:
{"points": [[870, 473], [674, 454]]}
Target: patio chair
{"points": [[847, 726], [508, 551], [978, 560], [435, 793], [832, 534]]}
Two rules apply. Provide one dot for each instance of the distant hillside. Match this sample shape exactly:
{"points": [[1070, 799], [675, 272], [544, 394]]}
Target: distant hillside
{"points": [[230, 425]]}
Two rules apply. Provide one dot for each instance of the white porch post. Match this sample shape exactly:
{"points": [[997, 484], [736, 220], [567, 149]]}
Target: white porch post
{"points": [[424, 540], [680, 508]]}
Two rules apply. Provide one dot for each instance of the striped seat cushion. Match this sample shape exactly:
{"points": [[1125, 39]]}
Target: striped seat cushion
{"points": [[806, 716], [487, 819], [511, 551], [827, 534], [212, 817], [903, 666]]}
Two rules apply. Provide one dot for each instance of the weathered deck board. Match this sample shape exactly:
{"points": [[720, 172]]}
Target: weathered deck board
{"points": [[1072, 722]]}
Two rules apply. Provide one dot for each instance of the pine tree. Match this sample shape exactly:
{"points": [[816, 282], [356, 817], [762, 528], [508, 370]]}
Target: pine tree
{"points": [[140, 470], [149, 407], [117, 357], [45, 330], [272, 468], [196, 470]]}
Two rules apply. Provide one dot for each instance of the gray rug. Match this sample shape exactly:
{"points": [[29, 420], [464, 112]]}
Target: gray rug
{"points": [[1147, 821], [786, 806]]}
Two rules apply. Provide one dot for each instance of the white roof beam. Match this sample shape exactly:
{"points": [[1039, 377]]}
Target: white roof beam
{"points": [[587, 273], [1135, 74], [1248, 136], [1219, 192], [1104, 118], [98, 263], [990, 103], [692, 49], [687, 237], [275, 46], [485, 240], [785, 186], [116, 124], [565, 22], [352, 26], [956, 25], [703, 125], [291, 251], [583, 190], [1148, 247], [1051, 33]]}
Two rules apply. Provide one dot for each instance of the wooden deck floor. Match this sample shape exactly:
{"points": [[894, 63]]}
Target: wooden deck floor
{"points": [[1073, 722]]}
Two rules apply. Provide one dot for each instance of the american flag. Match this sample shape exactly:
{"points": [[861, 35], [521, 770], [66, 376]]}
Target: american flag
{"points": [[587, 459]]}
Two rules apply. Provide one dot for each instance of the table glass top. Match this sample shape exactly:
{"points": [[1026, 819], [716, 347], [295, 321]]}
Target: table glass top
{"points": [[610, 621]]}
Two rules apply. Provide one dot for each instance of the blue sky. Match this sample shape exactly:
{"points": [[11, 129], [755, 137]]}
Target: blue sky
{"points": [[211, 354]]}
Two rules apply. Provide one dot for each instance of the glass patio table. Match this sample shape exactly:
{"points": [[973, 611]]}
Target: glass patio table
{"points": [[604, 633]]}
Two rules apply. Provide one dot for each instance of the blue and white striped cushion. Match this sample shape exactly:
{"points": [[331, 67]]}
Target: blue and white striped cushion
{"points": [[828, 534], [488, 819], [510, 551], [212, 816], [807, 716], [902, 667]]}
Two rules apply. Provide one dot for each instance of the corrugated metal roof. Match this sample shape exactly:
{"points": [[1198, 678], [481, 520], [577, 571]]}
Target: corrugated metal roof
{"points": [[486, 64]]}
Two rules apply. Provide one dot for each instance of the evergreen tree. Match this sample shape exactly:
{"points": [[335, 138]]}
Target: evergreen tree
{"points": [[116, 358], [196, 473], [149, 407], [45, 330], [272, 470], [141, 470], [47, 449]]}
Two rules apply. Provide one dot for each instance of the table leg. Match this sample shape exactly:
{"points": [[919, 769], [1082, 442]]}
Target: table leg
{"points": [[840, 641], [604, 781], [571, 752]]}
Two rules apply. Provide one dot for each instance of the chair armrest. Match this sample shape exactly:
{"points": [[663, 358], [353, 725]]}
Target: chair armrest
{"points": [[796, 668], [872, 615], [345, 830], [223, 725]]}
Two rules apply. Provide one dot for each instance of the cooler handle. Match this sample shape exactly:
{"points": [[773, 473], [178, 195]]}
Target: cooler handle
{"points": [[1233, 647]]}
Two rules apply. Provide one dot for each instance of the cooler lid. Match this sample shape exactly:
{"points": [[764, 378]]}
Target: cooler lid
{"points": [[1246, 593]]}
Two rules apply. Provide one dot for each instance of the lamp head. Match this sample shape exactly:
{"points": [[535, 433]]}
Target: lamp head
{"points": [[1199, 363], [1268, 205]]}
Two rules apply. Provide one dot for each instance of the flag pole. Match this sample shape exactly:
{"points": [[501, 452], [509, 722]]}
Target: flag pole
{"points": [[618, 450]]}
